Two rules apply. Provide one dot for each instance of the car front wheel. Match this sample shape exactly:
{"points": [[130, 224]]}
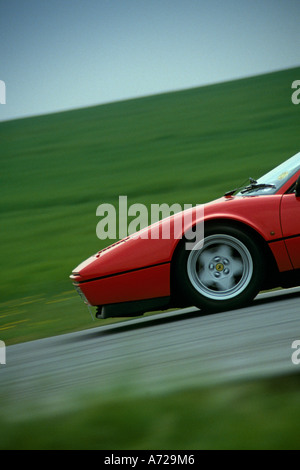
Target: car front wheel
{"points": [[222, 272]]}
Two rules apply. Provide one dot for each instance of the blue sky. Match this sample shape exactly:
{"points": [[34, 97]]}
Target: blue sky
{"points": [[66, 54]]}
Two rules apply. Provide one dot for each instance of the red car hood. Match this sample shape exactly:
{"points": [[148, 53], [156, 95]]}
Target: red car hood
{"points": [[134, 253]]}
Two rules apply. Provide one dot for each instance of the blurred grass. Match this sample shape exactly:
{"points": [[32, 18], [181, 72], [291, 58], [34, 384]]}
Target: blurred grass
{"points": [[263, 415], [186, 147]]}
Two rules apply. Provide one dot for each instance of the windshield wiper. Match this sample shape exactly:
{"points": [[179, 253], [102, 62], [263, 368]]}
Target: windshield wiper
{"points": [[257, 186], [253, 185]]}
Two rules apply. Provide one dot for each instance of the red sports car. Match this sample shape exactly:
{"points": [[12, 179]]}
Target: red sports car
{"points": [[251, 242]]}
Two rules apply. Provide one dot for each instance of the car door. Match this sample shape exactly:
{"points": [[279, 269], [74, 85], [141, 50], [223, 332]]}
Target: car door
{"points": [[290, 222]]}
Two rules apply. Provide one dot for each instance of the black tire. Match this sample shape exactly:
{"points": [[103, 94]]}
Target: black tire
{"points": [[227, 272]]}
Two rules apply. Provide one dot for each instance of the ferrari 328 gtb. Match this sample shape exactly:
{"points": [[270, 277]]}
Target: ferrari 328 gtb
{"points": [[251, 242]]}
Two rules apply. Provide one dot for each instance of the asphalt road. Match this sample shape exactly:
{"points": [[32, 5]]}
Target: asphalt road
{"points": [[154, 354]]}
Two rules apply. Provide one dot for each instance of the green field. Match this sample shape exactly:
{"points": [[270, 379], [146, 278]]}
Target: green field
{"points": [[263, 414], [185, 147]]}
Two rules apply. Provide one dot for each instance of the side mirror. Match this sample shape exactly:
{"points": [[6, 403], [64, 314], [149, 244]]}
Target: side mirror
{"points": [[297, 188]]}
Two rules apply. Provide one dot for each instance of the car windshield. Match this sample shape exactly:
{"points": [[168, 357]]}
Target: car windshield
{"points": [[274, 179]]}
